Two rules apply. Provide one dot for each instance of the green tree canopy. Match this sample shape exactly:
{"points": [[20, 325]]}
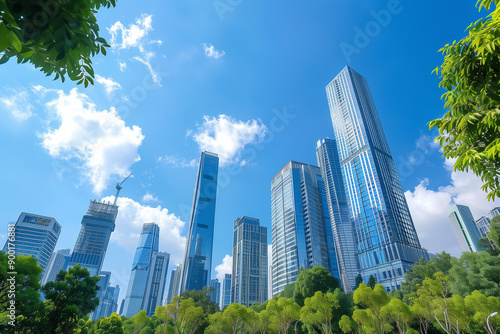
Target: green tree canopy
{"points": [[312, 280], [111, 325], [318, 311], [282, 313]]}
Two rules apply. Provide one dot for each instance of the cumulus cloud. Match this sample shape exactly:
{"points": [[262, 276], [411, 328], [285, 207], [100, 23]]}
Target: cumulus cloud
{"points": [[109, 84], [228, 137], [132, 215], [99, 139], [429, 208], [149, 198], [176, 161], [123, 66], [210, 51], [226, 267], [18, 105]]}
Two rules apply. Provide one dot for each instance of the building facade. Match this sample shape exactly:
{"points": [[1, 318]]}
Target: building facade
{"points": [[483, 225], [342, 226], [148, 244], [174, 283], [495, 212], [58, 261], [92, 243], [215, 294], [385, 237], [249, 277], [301, 229], [198, 255], [108, 302], [156, 281], [35, 236], [225, 298], [465, 228]]}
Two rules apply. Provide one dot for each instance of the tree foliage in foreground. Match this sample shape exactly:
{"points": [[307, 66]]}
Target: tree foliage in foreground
{"points": [[469, 130], [59, 37]]}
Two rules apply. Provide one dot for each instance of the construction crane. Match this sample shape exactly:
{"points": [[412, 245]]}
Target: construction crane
{"points": [[119, 187]]}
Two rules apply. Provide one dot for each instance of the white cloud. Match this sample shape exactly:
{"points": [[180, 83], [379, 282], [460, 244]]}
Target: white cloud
{"points": [[131, 217], [211, 52], [123, 66], [109, 84], [149, 198], [228, 137], [430, 208], [146, 60], [177, 162], [99, 139], [18, 105], [226, 267]]}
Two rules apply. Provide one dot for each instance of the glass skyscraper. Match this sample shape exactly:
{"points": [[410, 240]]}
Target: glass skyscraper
{"points": [[58, 262], [225, 298], [483, 224], [155, 284], [148, 245], [249, 278], [495, 212], [198, 255], [465, 228], [385, 237], [173, 284], [215, 294], [35, 236], [342, 226], [92, 242], [301, 229]]}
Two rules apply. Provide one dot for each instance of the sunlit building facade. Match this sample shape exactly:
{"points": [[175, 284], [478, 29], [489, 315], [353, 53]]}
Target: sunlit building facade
{"points": [[465, 228], [215, 294], [483, 225], [156, 281], [225, 298], [495, 212], [174, 282], [58, 262]]}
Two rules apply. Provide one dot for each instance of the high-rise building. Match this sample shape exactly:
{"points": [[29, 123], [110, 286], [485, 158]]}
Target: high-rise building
{"points": [[495, 212], [342, 225], [465, 228], [385, 237], [148, 245], [108, 302], [92, 242], [58, 262], [301, 228], [35, 236], [249, 277], [225, 298], [173, 284], [157, 279], [483, 225], [122, 304], [103, 284], [198, 255], [215, 294]]}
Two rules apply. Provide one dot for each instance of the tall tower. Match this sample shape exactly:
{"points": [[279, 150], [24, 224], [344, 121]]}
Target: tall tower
{"points": [[342, 226], [198, 255], [92, 242], [173, 285], [465, 228], [225, 298], [148, 245], [155, 284], [301, 228], [58, 262], [35, 236], [483, 225], [215, 294], [386, 241], [249, 278]]}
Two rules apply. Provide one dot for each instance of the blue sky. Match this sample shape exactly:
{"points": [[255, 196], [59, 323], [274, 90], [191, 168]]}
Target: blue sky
{"points": [[243, 78]]}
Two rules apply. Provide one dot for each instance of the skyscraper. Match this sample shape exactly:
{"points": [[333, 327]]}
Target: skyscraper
{"points": [[148, 245], [385, 237], [92, 242], [249, 278], [465, 228], [342, 226], [301, 228], [173, 284], [35, 236], [225, 298], [495, 212], [198, 255], [108, 302], [215, 294], [483, 225], [103, 284], [58, 262], [155, 284]]}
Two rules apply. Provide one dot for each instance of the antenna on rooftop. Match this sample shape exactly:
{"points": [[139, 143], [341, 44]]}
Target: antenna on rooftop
{"points": [[119, 187]]}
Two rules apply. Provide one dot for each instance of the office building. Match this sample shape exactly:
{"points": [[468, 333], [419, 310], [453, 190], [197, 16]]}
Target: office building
{"points": [[103, 284], [495, 212], [342, 226], [225, 298], [92, 243], [108, 302], [58, 262], [249, 277], [155, 284], [148, 245], [301, 229], [35, 236], [215, 294], [198, 255], [174, 282], [465, 228], [385, 237], [483, 225], [122, 304]]}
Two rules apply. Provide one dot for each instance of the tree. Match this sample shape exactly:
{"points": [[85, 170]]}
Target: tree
{"points": [[318, 311], [70, 297], [312, 280], [217, 324], [398, 313], [471, 73], [481, 307], [140, 320], [84, 325], [372, 301], [494, 234], [57, 37], [359, 280], [371, 281], [111, 325], [235, 316], [288, 291], [282, 313], [202, 298]]}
